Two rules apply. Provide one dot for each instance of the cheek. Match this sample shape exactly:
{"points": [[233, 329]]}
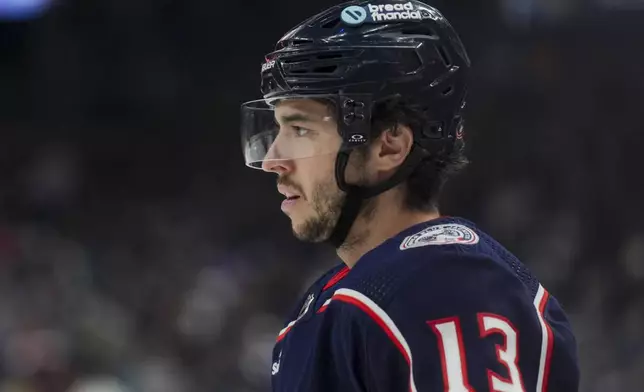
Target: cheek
{"points": [[315, 172]]}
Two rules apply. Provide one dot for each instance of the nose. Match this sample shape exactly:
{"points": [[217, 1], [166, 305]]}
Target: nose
{"points": [[273, 163], [279, 166]]}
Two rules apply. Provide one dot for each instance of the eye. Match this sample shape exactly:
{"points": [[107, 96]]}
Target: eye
{"points": [[299, 131]]}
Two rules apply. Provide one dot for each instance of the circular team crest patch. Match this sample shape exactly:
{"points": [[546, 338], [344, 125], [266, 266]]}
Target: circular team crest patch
{"points": [[441, 235]]}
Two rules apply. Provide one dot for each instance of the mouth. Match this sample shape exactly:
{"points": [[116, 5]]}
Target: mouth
{"points": [[291, 196], [289, 202]]}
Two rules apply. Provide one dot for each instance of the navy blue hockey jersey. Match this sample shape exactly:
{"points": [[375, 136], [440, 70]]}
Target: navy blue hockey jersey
{"points": [[439, 307]]}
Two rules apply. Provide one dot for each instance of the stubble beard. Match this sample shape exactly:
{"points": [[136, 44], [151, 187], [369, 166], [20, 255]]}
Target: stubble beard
{"points": [[327, 204]]}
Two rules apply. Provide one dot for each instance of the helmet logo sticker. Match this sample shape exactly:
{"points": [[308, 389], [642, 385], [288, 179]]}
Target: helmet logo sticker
{"points": [[268, 65], [386, 12], [353, 15]]}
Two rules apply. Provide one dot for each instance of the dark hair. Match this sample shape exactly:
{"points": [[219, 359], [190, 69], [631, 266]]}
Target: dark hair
{"points": [[424, 185]]}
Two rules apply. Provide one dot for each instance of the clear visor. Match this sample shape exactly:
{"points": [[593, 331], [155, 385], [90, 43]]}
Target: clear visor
{"points": [[287, 128]]}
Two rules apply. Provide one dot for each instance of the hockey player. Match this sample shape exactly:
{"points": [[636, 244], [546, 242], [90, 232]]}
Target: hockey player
{"points": [[362, 122]]}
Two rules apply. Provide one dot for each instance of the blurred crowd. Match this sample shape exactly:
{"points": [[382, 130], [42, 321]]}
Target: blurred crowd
{"points": [[138, 254]]}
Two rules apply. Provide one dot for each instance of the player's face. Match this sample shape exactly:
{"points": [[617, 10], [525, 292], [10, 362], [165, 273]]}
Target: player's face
{"points": [[313, 199]]}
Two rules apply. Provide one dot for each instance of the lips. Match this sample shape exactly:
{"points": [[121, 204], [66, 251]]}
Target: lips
{"points": [[289, 202], [288, 193]]}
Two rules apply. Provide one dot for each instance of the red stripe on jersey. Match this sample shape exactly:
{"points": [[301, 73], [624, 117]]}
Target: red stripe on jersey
{"points": [[383, 320], [336, 278], [550, 340], [285, 331], [375, 318]]}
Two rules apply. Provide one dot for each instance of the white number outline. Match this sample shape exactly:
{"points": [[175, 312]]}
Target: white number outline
{"points": [[507, 354], [452, 352], [453, 358]]}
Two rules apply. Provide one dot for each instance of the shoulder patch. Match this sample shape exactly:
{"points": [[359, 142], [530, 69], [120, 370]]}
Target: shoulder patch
{"points": [[441, 235]]}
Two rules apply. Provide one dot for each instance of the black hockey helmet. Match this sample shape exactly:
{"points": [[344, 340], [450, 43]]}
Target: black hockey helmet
{"points": [[356, 55]]}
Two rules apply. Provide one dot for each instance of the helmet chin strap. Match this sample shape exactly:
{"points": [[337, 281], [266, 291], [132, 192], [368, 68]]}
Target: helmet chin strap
{"points": [[356, 195]]}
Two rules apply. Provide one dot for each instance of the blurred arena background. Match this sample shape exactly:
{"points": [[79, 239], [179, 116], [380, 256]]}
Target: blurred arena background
{"points": [[137, 253]]}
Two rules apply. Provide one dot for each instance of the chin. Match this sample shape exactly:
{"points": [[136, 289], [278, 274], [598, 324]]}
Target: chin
{"points": [[305, 237], [300, 232], [308, 231]]}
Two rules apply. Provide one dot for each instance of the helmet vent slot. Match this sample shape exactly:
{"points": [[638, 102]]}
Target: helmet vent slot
{"points": [[297, 42], [327, 56], [300, 41], [444, 56], [293, 43], [419, 32], [331, 23], [317, 70]]}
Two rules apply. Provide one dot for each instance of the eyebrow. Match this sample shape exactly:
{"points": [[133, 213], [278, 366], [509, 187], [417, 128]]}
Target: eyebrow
{"points": [[295, 117]]}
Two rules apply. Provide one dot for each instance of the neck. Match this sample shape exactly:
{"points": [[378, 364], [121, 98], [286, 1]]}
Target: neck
{"points": [[372, 229]]}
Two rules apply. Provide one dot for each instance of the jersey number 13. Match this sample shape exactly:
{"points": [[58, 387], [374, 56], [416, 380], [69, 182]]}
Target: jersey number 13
{"points": [[450, 343]]}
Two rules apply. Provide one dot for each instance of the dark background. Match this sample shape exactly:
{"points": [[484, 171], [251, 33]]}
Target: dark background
{"points": [[138, 253]]}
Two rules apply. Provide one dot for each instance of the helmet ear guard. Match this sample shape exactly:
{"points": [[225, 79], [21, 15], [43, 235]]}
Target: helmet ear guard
{"points": [[355, 122]]}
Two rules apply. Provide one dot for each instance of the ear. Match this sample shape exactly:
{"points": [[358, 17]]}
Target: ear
{"points": [[391, 148]]}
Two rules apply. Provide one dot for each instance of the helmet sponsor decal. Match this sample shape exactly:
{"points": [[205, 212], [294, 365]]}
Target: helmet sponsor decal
{"points": [[268, 65], [386, 13], [441, 235]]}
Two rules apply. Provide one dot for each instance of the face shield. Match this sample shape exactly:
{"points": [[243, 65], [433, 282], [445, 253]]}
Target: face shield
{"points": [[288, 128]]}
